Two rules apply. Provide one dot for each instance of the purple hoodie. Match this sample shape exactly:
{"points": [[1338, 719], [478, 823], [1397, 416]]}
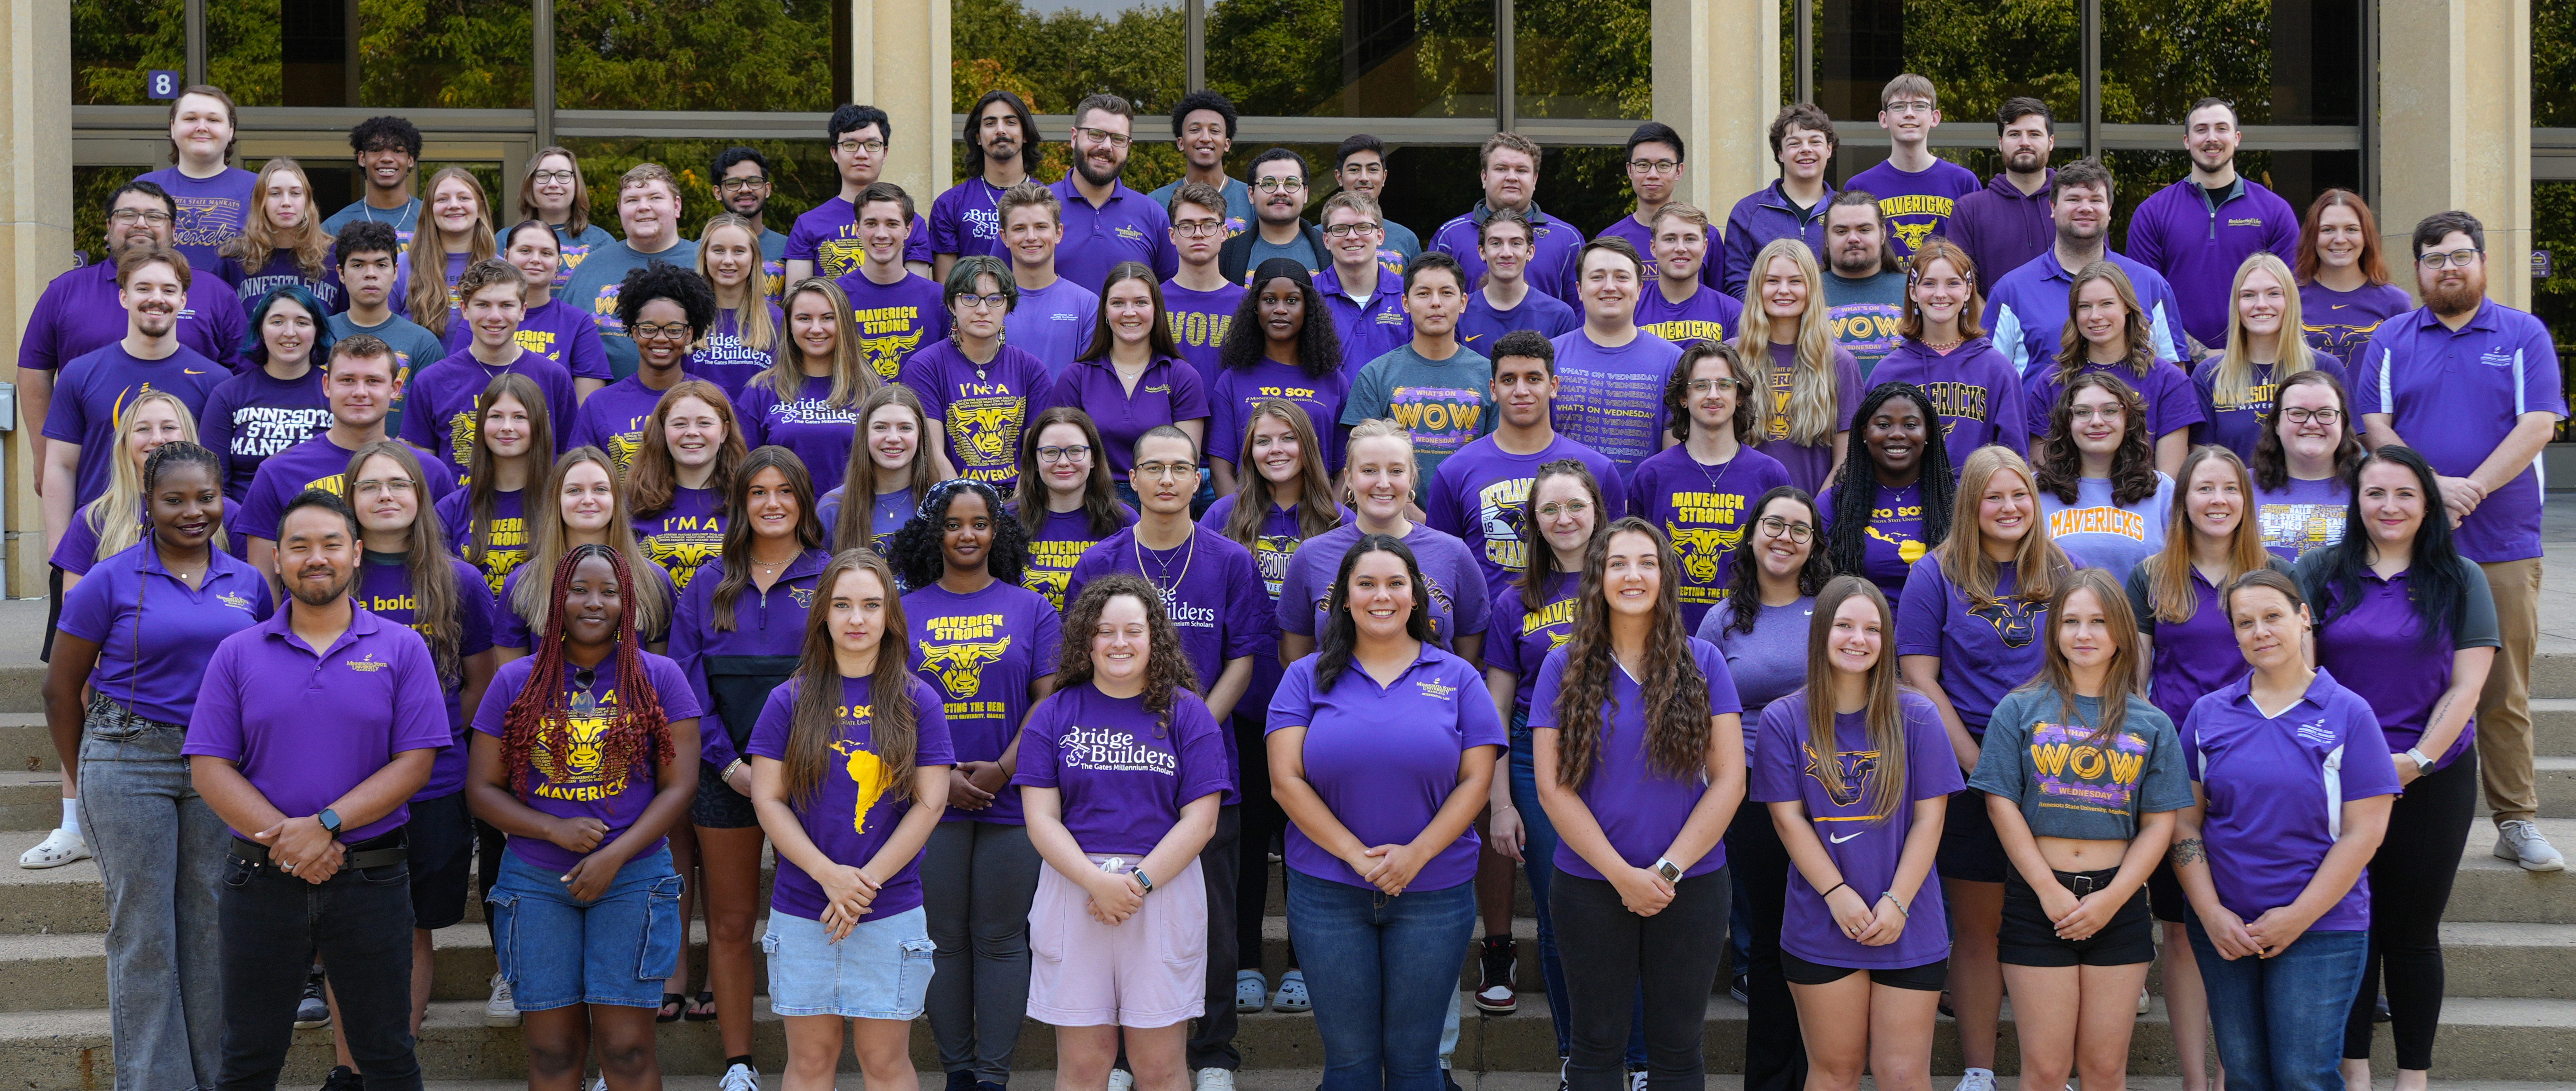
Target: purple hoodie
{"points": [[2197, 245], [1974, 388], [1763, 215], [2001, 228]]}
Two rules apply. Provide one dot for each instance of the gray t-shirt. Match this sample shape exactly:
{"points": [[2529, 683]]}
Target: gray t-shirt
{"points": [[1864, 314], [1294, 249], [414, 348], [2068, 786], [592, 290], [1445, 404]]}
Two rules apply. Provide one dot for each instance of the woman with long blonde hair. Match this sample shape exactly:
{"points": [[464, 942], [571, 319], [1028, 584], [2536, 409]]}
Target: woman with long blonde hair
{"points": [[1807, 385], [808, 400], [282, 241], [583, 504], [2239, 384], [891, 469], [112, 523], [456, 233], [742, 342]]}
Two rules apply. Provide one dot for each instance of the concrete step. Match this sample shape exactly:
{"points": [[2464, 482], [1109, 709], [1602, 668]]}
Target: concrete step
{"points": [[24, 744], [2489, 889], [2482, 959], [2553, 726]]}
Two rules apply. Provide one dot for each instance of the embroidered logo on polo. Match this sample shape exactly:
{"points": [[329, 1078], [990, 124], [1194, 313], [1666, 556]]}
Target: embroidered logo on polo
{"points": [[1850, 776], [367, 664], [2016, 620], [804, 597], [1130, 233], [1437, 691], [237, 602], [2315, 731], [2497, 359]]}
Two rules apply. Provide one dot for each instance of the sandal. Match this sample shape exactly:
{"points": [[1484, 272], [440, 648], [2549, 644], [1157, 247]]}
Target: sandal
{"points": [[673, 1004], [703, 1009], [1291, 996], [61, 847]]}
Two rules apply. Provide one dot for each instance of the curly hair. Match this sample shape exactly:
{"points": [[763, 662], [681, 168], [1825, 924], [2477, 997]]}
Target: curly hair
{"points": [[1167, 667], [737, 522], [663, 280], [540, 715], [1743, 604], [894, 721], [2061, 464], [1676, 713], [1856, 486], [2272, 460], [1339, 640], [1677, 399], [1319, 345], [919, 553]]}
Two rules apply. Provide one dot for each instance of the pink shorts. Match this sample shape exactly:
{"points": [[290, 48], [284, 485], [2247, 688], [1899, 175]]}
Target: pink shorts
{"points": [[1150, 971]]}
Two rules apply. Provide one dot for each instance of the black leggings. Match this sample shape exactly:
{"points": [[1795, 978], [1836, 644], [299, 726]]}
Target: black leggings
{"points": [[1610, 954], [1263, 820], [1775, 1054], [2410, 885]]}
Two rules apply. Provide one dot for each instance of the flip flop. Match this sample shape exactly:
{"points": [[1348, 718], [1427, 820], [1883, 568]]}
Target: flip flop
{"points": [[702, 1009], [673, 1005]]}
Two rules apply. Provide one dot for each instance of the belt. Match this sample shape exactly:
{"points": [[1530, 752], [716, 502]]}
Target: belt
{"points": [[373, 852], [2082, 883]]}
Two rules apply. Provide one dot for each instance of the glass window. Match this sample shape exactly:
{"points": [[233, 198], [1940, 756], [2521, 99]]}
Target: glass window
{"points": [[1583, 58], [800, 171], [2282, 62], [1356, 58], [710, 55], [463, 54], [116, 42], [2297, 176], [90, 187]]}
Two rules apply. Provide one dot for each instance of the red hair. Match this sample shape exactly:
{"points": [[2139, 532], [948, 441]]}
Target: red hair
{"points": [[541, 713]]}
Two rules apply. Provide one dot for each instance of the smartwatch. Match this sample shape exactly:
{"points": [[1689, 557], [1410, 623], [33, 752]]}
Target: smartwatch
{"points": [[330, 820], [1671, 871], [1143, 880], [2422, 763]]}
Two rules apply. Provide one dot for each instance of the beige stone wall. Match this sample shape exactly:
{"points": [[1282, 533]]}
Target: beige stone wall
{"points": [[1717, 82], [900, 65], [2455, 127], [35, 231]]}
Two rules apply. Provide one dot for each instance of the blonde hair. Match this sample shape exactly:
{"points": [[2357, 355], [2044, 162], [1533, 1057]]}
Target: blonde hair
{"points": [[124, 494], [2233, 381], [260, 240], [547, 545], [1379, 428], [2170, 596], [429, 298], [1810, 419], [853, 378], [2038, 565], [754, 328]]}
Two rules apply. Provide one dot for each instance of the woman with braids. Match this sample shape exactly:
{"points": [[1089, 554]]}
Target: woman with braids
{"points": [[1857, 777], [2392, 598], [1974, 609], [2107, 334], [486, 519], [987, 645], [683, 475], [1890, 506], [1121, 771], [1283, 498], [663, 308], [1073, 504], [135, 638], [1762, 628], [892, 468], [2304, 465], [2100, 493], [1640, 782], [586, 757], [2082, 779], [736, 632], [1281, 346], [809, 398], [280, 402], [850, 762], [1695, 490], [1382, 752], [581, 505]]}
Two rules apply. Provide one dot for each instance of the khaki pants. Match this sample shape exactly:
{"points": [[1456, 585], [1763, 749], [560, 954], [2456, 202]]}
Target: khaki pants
{"points": [[2504, 706]]}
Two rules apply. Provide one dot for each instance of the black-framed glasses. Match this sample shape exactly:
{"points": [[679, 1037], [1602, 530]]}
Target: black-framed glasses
{"points": [[662, 331], [854, 147], [131, 216], [560, 177], [1193, 229], [742, 185], [997, 299], [2437, 259], [1344, 231], [2302, 415], [1075, 453], [1654, 166]]}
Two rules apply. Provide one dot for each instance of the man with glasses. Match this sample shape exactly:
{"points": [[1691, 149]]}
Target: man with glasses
{"points": [[1001, 142], [648, 206], [2006, 224], [744, 183], [387, 149], [1507, 166], [2026, 308], [1916, 192], [1105, 222], [1279, 177], [1367, 301], [1793, 205], [1655, 169], [896, 311], [2197, 231], [2474, 386], [1360, 166], [1199, 301], [1203, 128], [825, 240]]}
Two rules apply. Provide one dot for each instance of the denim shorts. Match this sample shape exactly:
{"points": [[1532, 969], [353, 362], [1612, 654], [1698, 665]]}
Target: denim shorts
{"points": [[881, 970], [557, 952]]}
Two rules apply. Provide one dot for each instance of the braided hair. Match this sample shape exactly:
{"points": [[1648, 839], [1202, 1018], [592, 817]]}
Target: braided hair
{"points": [[918, 551], [541, 714], [1856, 487]]}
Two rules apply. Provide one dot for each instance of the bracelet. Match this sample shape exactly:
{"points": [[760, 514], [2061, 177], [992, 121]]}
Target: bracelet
{"points": [[1829, 891], [727, 775], [1890, 896]]}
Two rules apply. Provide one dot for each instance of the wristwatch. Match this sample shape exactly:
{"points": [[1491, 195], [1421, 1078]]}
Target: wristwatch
{"points": [[2422, 763], [1143, 880], [1671, 871], [330, 820]]}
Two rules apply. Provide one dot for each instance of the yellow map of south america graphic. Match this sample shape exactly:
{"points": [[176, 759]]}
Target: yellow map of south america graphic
{"points": [[868, 774]]}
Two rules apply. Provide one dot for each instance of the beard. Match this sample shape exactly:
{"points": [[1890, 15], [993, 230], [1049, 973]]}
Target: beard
{"points": [[1082, 166], [311, 596], [2028, 162], [1001, 149], [1855, 266], [2456, 300]]}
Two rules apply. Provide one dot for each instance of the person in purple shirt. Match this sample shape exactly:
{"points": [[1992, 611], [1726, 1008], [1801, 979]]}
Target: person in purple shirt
{"points": [[825, 240], [1070, 502], [808, 399], [1280, 346], [1107, 224], [2027, 307], [1481, 495], [1857, 780], [978, 392], [1806, 387], [2474, 386], [966, 218], [282, 243], [895, 311], [888, 475], [360, 385], [1202, 301], [486, 517], [1972, 386], [1656, 167], [116, 520], [744, 181], [1131, 379], [2198, 230], [580, 503], [1699, 491], [2344, 293], [459, 234], [123, 679], [1054, 316], [1505, 302], [1453, 594], [1639, 793], [2303, 466], [2291, 809], [1366, 300], [1892, 504], [688, 456], [82, 422], [1916, 192], [1679, 304], [663, 308], [281, 402], [548, 326], [586, 755], [1382, 751], [1792, 206], [2006, 224], [2237, 384], [439, 413], [1507, 172], [746, 337], [1611, 374], [2109, 335], [2100, 496], [214, 199]]}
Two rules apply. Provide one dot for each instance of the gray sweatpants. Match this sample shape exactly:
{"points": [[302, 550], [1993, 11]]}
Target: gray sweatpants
{"points": [[977, 880]]}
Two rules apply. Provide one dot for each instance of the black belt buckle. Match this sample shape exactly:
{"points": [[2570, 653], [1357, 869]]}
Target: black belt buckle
{"points": [[2081, 884], [372, 853]]}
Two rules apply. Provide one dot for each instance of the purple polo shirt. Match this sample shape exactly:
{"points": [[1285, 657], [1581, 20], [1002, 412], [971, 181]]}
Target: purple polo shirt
{"points": [[725, 361], [613, 419], [554, 330], [2194, 656], [154, 632], [90, 394], [1062, 539], [1452, 577], [1123, 772], [2173, 404], [1838, 807], [1130, 226], [316, 463], [505, 544], [1198, 321], [254, 415], [1705, 511], [281, 271], [966, 219], [894, 320], [385, 589], [2454, 396], [1642, 236], [2026, 310], [1708, 315], [1986, 649], [1892, 540], [1641, 808], [1169, 392], [212, 210], [1917, 204], [2198, 244], [766, 624], [1974, 391], [1384, 758], [1521, 637], [851, 815], [1236, 390], [1554, 244], [2302, 515], [2276, 786], [981, 408], [1367, 330], [2338, 324], [1212, 591], [2238, 422], [981, 651], [79, 314], [809, 424], [684, 536], [1054, 323], [828, 235], [1612, 399], [2378, 643], [77, 552], [2001, 227], [577, 783], [438, 404], [1480, 496], [1483, 323], [1810, 466]]}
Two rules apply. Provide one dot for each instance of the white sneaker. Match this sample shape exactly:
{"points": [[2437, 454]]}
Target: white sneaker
{"points": [[1977, 1079], [1637, 1080], [740, 1077], [2142, 1000], [2519, 840], [1215, 1079], [500, 1010], [61, 848], [602, 1085], [1121, 1080]]}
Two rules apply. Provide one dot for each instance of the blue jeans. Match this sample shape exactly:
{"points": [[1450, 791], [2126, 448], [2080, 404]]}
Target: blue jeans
{"points": [[1538, 857], [161, 857], [1382, 972], [2279, 1021]]}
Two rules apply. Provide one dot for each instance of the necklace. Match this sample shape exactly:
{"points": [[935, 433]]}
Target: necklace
{"points": [[1720, 475], [1945, 346], [1167, 586]]}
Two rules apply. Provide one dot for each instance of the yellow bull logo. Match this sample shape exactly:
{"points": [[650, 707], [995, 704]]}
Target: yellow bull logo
{"points": [[681, 557], [1701, 548], [887, 352], [1557, 640], [579, 761], [986, 433], [622, 448], [961, 666], [1912, 234]]}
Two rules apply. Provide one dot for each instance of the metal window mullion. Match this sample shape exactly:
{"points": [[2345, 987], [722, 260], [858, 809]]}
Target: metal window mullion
{"points": [[1805, 84], [195, 16], [541, 69], [1194, 23], [1507, 109], [2092, 77]]}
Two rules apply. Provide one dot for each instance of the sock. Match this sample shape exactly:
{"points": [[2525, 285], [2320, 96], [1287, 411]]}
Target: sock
{"points": [[744, 1060], [71, 815]]}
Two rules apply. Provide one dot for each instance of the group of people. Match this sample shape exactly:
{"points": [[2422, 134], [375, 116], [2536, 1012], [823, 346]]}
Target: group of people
{"points": [[2093, 585]]}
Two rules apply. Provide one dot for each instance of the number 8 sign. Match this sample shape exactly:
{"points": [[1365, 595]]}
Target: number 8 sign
{"points": [[161, 83]]}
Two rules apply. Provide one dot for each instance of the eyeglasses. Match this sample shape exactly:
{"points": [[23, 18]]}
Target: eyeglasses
{"points": [[667, 331], [1166, 470], [1344, 231], [1654, 166], [1194, 229], [1712, 386], [1105, 137], [1279, 185], [1063, 454], [854, 147], [128, 217], [390, 484], [1777, 527], [1566, 507], [2088, 413], [1908, 106], [997, 299], [742, 185], [2327, 417], [560, 177], [2461, 258]]}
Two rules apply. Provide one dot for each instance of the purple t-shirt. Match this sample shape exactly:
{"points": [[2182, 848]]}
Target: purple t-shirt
{"points": [[2173, 404], [887, 513], [283, 272], [254, 415], [1916, 204], [1974, 390], [212, 210], [2338, 324], [554, 330], [77, 552], [2276, 787], [1986, 649], [1705, 512], [1368, 329], [684, 536], [966, 219], [1385, 758], [1838, 806], [1522, 637], [2378, 643], [1483, 323], [1210, 589], [438, 405], [1274, 544], [1453, 578], [372, 695], [153, 631], [90, 395], [1641, 808], [1198, 321], [1809, 467], [1768, 663], [1169, 392], [613, 417], [1480, 496], [1060, 543], [726, 361], [1612, 399], [1129, 226], [79, 314], [2302, 515], [1894, 535], [981, 407], [894, 320], [316, 463], [1235, 390], [1054, 323], [2236, 424], [819, 432], [1708, 315], [505, 544], [2454, 395], [2194, 656], [2097, 531], [1642, 236], [766, 625], [980, 651], [1123, 772], [577, 783], [851, 814], [385, 589], [828, 235]]}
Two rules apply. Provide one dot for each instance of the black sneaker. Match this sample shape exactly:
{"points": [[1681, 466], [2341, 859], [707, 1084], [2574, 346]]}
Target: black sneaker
{"points": [[311, 1011], [1741, 988], [961, 1080], [343, 1078], [1494, 991]]}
